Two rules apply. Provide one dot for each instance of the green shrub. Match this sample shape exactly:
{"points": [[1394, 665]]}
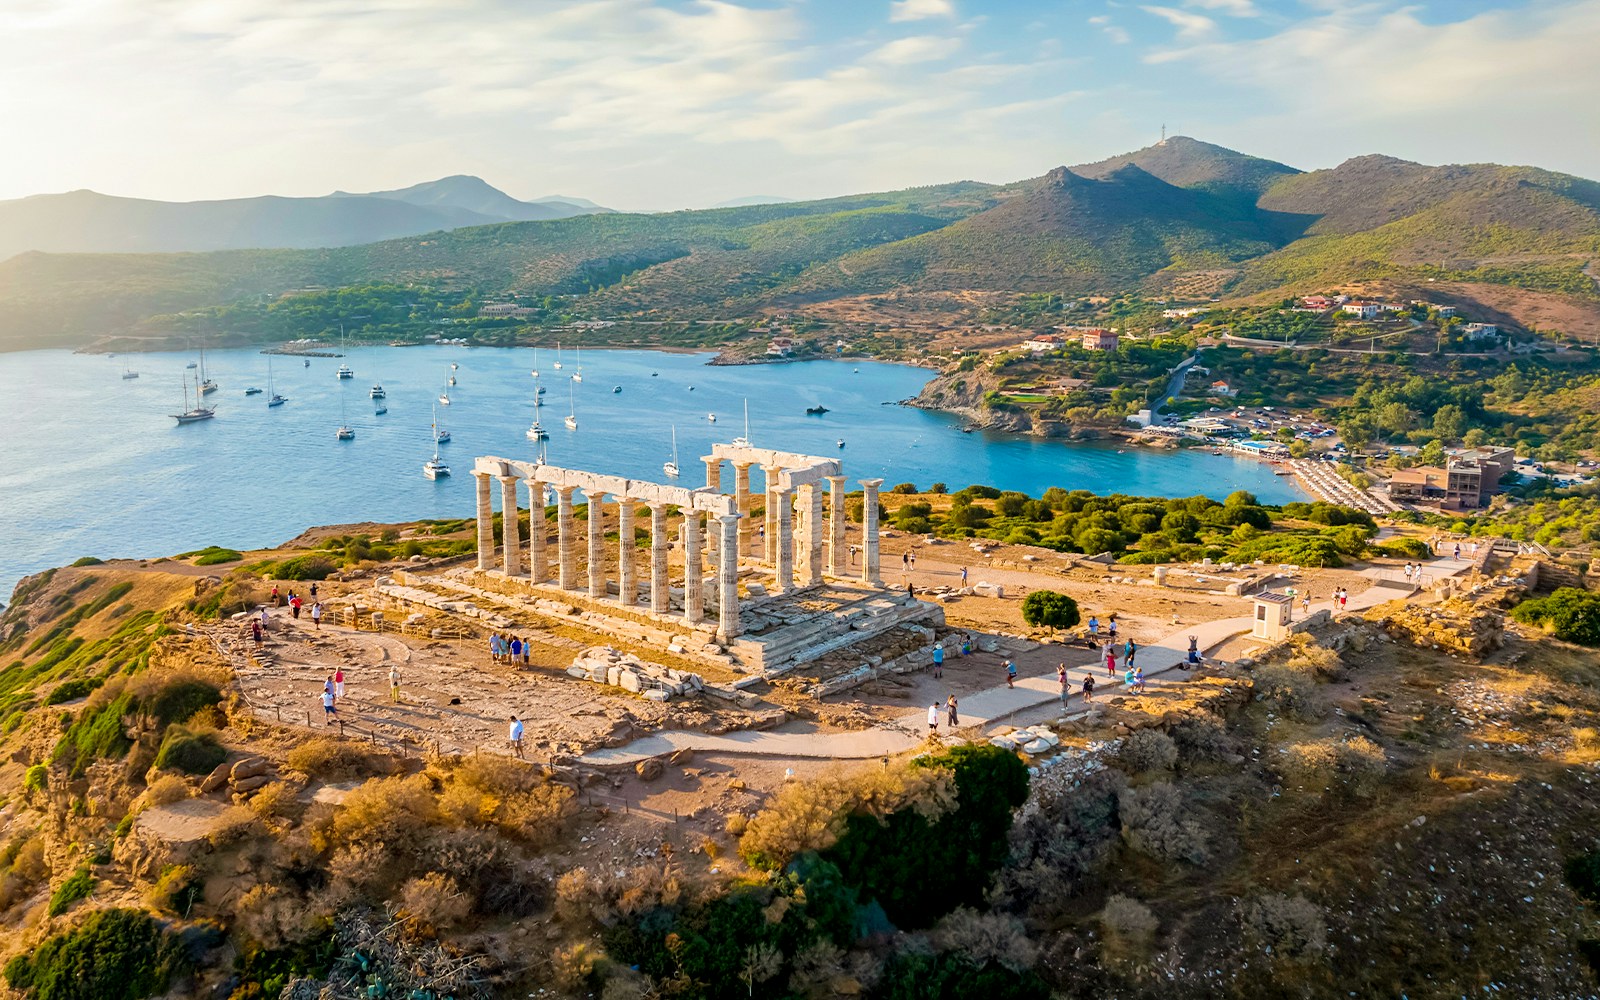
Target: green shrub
{"points": [[72, 690], [114, 955], [307, 567], [1404, 548], [214, 555], [77, 886], [179, 699], [88, 561], [192, 753], [1048, 609], [1569, 613], [37, 778]]}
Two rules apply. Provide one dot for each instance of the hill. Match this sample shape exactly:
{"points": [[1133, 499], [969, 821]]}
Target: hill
{"points": [[89, 222], [1185, 219]]}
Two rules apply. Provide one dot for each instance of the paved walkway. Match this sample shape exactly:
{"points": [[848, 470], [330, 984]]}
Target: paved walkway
{"points": [[987, 707]]}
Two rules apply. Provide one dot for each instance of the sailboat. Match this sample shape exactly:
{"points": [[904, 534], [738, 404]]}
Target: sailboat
{"points": [[344, 368], [433, 468], [273, 399], [537, 431], [572, 417], [195, 413], [578, 375], [128, 373], [380, 409], [744, 440], [558, 355], [671, 468], [444, 396], [535, 372], [207, 386], [345, 432]]}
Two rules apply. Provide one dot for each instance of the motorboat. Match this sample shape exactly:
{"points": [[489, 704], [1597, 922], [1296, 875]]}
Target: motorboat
{"points": [[345, 433], [616, 388], [841, 442], [441, 435], [444, 399], [816, 411], [376, 392], [345, 372], [307, 362], [380, 410], [191, 365], [452, 380], [712, 417], [252, 391]]}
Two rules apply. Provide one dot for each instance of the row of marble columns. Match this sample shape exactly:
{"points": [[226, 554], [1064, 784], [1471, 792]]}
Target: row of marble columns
{"points": [[726, 539]]}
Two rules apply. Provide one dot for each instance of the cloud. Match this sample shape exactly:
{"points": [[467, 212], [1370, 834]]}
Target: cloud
{"points": [[917, 49], [918, 10], [1112, 31], [1189, 25], [1236, 8]]}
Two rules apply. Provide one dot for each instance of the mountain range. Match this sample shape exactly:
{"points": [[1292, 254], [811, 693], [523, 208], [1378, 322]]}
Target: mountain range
{"points": [[90, 222], [1183, 220]]}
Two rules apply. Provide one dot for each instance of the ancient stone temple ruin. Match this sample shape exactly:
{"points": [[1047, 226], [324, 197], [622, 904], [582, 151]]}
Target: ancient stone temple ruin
{"points": [[785, 591]]}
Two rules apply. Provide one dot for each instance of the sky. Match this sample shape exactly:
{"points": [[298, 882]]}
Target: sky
{"points": [[660, 104]]}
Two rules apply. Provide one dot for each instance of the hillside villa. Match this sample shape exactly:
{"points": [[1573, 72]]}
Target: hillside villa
{"points": [[1099, 339], [1042, 342]]}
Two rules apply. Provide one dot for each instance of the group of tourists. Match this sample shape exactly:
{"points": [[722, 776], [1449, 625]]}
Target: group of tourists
{"points": [[511, 649], [332, 692], [953, 720]]}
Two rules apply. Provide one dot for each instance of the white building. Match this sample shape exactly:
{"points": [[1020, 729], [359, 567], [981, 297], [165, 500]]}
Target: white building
{"points": [[1480, 331]]}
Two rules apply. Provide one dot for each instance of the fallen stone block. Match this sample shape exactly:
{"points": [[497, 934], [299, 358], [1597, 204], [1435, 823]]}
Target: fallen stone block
{"points": [[649, 769], [217, 778], [250, 767], [656, 694], [630, 681]]}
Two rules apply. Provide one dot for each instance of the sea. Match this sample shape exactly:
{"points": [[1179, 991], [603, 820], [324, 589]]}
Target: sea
{"points": [[93, 464]]}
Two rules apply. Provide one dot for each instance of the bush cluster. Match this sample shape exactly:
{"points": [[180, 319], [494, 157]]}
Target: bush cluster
{"points": [[113, 955], [1569, 613]]}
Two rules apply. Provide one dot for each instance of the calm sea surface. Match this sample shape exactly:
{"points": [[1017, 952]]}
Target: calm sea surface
{"points": [[94, 464]]}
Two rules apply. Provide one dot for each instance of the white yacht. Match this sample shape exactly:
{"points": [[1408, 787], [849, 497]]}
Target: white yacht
{"points": [[433, 468], [743, 441], [572, 417], [671, 467]]}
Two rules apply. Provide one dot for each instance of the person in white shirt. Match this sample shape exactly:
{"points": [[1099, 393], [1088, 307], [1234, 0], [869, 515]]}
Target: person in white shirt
{"points": [[933, 718], [516, 735]]}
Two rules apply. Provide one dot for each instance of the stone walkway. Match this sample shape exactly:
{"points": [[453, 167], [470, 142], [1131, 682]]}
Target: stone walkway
{"points": [[990, 706]]}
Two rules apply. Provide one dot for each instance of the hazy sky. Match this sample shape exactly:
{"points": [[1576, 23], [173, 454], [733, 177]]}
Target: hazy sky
{"points": [[671, 103]]}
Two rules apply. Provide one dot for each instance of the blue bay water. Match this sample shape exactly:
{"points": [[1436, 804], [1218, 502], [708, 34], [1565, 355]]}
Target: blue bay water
{"points": [[95, 465]]}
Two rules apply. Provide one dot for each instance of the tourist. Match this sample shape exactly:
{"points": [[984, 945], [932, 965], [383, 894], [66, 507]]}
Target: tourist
{"points": [[338, 682], [852, 550], [263, 616], [911, 591], [938, 659], [328, 711], [277, 599], [1111, 628], [1088, 689], [516, 650], [905, 562], [1138, 679], [1305, 602], [1094, 629], [950, 712], [1128, 649], [494, 648], [963, 576], [316, 615], [313, 590], [1474, 550], [1065, 682], [913, 555], [1128, 678], [1111, 661], [933, 718], [394, 683], [516, 735], [1011, 674], [255, 631], [327, 685], [527, 651], [294, 607]]}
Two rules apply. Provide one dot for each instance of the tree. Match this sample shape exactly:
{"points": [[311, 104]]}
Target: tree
{"points": [[1049, 609], [1449, 422]]}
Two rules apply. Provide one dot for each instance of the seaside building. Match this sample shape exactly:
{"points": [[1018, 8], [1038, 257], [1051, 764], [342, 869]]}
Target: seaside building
{"points": [[1042, 342], [1467, 481], [1363, 310]]}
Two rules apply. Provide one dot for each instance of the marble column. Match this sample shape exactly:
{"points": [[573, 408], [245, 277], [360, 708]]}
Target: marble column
{"points": [[728, 579], [538, 569], [869, 532], [811, 498], [784, 547], [837, 561], [510, 526], [770, 549], [566, 539], [713, 482], [694, 604], [485, 520], [627, 586], [660, 582], [741, 500], [597, 542]]}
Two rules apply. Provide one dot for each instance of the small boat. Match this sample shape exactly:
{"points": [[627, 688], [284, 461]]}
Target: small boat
{"points": [[541, 390], [444, 399], [345, 372], [743, 441], [195, 413], [252, 391], [572, 415], [452, 380], [454, 366], [571, 422], [191, 365], [376, 392], [442, 436], [671, 467], [273, 399], [207, 387], [654, 374], [691, 388], [712, 417], [535, 372], [558, 355], [128, 373], [616, 388], [536, 431], [855, 371], [380, 410], [433, 468], [816, 411], [841, 442], [307, 362]]}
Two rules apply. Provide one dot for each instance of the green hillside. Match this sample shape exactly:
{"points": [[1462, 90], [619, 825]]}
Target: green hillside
{"points": [[1185, 218]]}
